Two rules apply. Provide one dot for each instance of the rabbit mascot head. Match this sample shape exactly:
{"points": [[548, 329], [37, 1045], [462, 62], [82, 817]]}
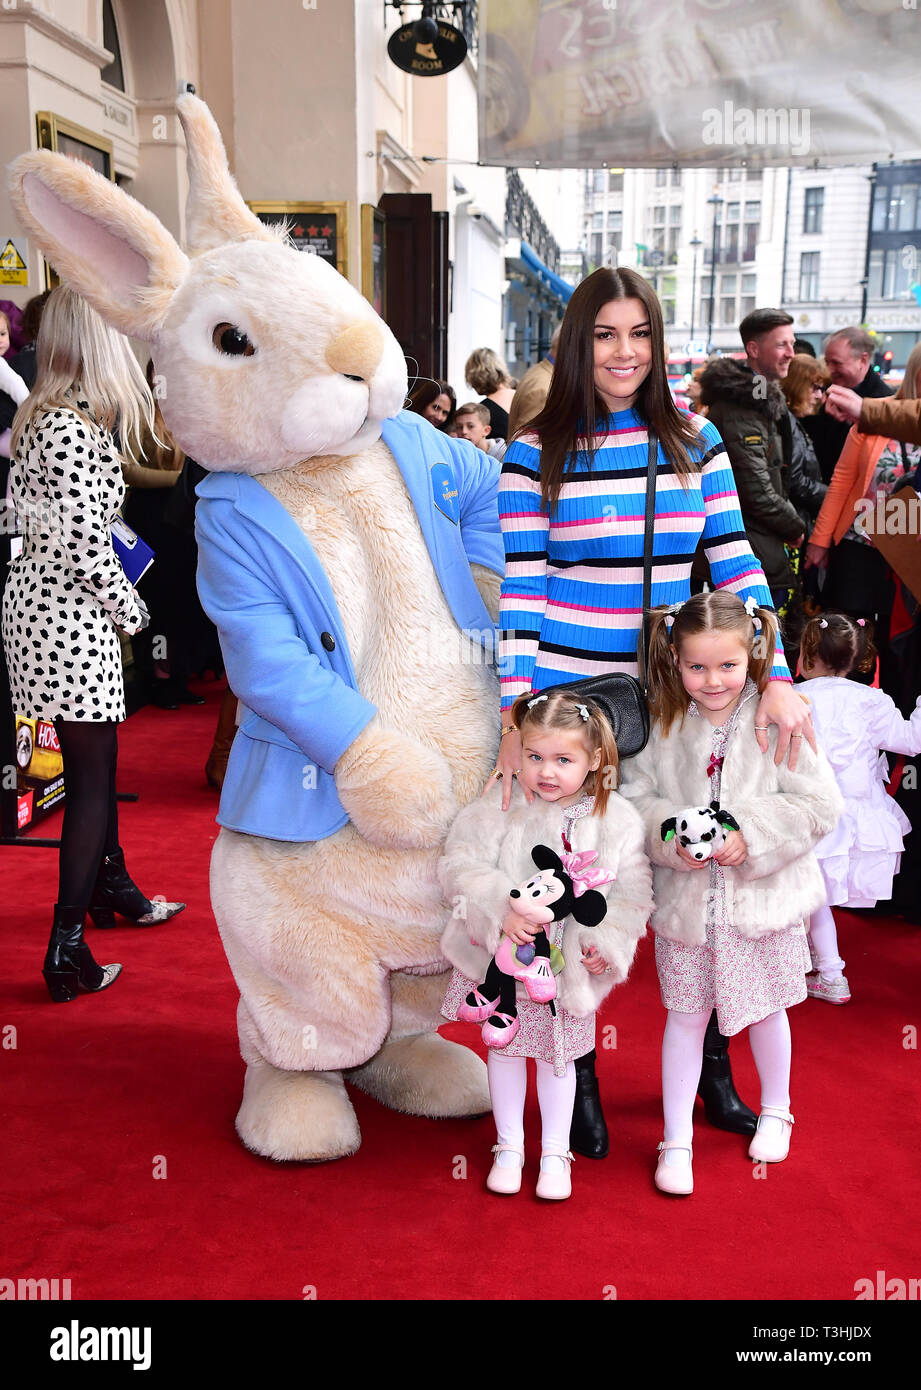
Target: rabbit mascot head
{"points": [[349, 554], [266, 355]]}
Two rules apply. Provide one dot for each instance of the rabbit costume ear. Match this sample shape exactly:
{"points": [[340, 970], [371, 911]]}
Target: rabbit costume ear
{"points": [[102, 242], [215, 211]]}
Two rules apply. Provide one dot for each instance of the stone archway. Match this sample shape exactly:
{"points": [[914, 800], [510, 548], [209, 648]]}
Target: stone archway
{"points": [[159, 51]]}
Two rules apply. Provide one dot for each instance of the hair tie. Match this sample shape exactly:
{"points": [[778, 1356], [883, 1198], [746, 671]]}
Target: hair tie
{"points": [[536, 701], [672, 612], [750, 604], [823, 622], [861, 622], [584, 712]]}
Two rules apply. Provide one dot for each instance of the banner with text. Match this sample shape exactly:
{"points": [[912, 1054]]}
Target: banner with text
{"points": [[586, 83]]}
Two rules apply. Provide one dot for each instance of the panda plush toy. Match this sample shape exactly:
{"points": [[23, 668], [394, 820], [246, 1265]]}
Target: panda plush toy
{"points": [[700, 829]]}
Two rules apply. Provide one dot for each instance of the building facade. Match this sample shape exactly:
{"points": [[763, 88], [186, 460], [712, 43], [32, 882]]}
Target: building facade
{"points": [[376, 168], [832, 246]]}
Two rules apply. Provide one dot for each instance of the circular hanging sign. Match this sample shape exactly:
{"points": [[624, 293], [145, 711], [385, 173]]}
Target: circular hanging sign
{"points": [[425, 53]]}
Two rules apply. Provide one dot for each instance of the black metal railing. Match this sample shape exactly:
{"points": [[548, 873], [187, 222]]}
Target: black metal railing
{"points": [[522, 215]]}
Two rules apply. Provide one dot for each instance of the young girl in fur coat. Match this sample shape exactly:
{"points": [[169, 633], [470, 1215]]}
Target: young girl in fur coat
{"points": [[563, 800], [730, 930]]}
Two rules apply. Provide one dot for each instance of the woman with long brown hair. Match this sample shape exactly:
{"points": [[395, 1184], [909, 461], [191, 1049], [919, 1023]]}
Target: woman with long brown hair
{"points": [[572, 510], [435, 400]]}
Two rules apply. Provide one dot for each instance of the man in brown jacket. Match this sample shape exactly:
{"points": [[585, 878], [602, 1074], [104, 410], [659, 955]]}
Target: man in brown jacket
{"points": [[531, 395], [897, 419]]}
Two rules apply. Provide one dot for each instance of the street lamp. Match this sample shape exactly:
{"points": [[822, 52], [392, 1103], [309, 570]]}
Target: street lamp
{"points": [[695, 244], [716, 203]]}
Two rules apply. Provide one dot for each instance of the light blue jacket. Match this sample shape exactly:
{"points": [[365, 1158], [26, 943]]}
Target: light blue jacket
{"points": [[281, 633]]}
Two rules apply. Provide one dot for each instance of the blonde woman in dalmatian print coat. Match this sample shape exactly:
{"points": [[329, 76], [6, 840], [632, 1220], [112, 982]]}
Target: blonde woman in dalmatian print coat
{"points": [[66, 599]]}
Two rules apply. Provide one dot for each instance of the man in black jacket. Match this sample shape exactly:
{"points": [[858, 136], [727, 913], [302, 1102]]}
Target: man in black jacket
{"points": [[749, 409], [848, 356]]}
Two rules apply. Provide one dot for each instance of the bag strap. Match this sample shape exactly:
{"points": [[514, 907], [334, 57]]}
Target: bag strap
{"points": [[650, 522]]}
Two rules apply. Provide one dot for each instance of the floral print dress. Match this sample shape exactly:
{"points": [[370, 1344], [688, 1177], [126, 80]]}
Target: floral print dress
{"points": [[744, 979]]}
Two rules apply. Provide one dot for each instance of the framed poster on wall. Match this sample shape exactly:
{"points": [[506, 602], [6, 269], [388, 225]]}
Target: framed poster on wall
{"points": [[76, 142], [374, 257], [320, 228]]}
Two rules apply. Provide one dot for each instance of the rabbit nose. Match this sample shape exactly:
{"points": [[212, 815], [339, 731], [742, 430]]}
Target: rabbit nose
{"points": [[357, 350]]}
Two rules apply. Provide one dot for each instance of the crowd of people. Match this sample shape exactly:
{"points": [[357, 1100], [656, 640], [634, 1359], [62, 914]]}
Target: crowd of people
{"points": [[716, 555]]}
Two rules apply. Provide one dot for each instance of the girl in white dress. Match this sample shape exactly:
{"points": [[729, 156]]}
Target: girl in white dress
{"points": [[853, 723], [730, 929], [564, 799]]}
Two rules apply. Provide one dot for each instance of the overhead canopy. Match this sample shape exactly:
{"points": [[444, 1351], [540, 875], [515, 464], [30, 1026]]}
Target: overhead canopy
{"points": [[560, 287], [587, 83]]}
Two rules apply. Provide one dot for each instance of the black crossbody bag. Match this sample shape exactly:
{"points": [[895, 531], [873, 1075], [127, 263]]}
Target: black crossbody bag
{"points": [[623, 698]]}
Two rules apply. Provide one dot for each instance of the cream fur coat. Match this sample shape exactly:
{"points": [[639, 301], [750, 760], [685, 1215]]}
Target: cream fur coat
{"points": [[488, 852], [781, 814]]}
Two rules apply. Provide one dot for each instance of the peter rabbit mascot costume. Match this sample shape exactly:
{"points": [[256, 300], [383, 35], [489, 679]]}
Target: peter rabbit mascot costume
{"points": [[344, 544]]}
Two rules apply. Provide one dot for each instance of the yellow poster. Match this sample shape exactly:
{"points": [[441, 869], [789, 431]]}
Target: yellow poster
{"points": [[13, 269]]}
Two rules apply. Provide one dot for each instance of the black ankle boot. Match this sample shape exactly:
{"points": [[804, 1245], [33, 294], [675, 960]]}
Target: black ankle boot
{"points": [[69, 965], [588, 1135], [722, 1105], [116, 891]]}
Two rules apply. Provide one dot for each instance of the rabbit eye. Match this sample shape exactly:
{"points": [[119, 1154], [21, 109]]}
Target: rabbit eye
{"points": [[348, 376], [231, 341]]}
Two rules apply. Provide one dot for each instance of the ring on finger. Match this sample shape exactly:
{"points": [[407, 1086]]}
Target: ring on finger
{"points": [[496, 773], [762, 728]]}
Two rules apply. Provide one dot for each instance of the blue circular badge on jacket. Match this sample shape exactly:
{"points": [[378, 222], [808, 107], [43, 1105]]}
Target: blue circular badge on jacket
{"points": [[444, 491]]}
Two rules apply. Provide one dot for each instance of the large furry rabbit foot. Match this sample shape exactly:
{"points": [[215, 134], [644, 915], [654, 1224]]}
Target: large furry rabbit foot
{"points": [[397, 792], [302, 1116], [425, 1075]]}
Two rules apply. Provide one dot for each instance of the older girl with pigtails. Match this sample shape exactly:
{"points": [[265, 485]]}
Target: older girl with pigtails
{"points": [[730, 929]]}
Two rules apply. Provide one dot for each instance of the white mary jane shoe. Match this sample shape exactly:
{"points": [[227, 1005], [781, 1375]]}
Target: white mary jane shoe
{"points": [[772, 1147], [505, 1179], [675, 1179], [555, 1185]]}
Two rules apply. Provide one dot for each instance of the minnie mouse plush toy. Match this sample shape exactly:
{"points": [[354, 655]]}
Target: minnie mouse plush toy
{"points": [[563, 887]]}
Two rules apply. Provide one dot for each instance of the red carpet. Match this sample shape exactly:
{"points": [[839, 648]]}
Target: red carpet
{"points": [[101, 1095]]}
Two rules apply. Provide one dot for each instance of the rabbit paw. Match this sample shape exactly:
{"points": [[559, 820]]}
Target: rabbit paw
{"points": [[397, 792]]}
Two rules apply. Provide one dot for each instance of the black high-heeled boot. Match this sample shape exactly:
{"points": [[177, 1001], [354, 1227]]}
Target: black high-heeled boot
{"points": [[116, 891], [588, 1133], [69, 965], [716, 1088]]}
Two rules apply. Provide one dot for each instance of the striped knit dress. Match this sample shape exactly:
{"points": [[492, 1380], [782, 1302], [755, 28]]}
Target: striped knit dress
{"points": [[573, 591]]}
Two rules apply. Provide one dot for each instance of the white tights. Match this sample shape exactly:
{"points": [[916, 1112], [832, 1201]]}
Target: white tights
{"points": [[682, 1054], [508, 1084], [824, 937]]}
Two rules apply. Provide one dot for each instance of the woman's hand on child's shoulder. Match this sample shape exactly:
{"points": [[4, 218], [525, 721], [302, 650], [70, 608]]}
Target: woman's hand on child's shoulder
{"points": [[733, 851]]}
